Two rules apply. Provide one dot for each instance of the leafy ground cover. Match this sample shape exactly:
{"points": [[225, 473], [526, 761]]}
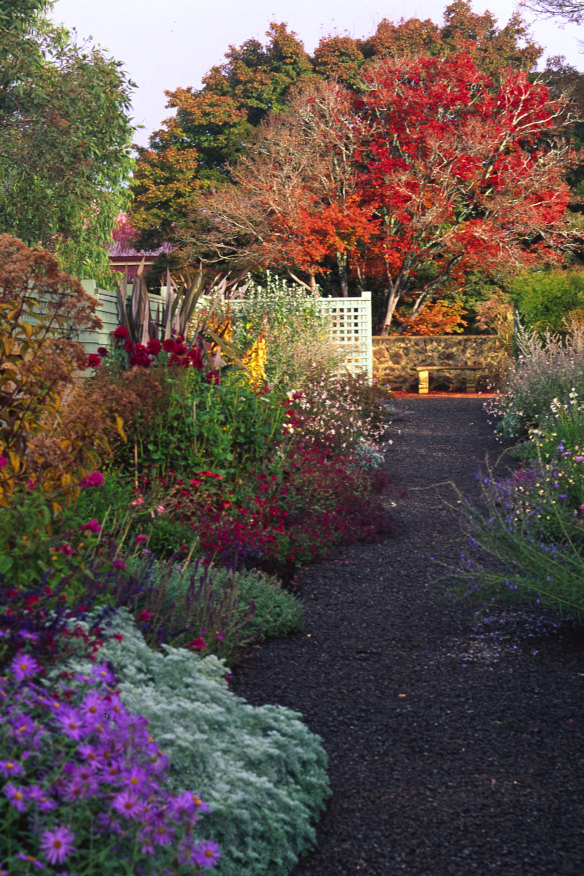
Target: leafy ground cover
{"points": [[198, 492]]}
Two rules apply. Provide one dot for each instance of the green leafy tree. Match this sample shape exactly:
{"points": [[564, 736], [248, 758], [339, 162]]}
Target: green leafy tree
{"points": [[65, 139]]}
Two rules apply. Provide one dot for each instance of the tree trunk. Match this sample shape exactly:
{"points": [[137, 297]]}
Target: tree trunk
{"points": [[342, 265], [392, 297]]}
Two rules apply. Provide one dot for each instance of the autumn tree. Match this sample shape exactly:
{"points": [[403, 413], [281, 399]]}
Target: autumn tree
{"points": [[294, 202], [65, 139], [210, 129], [459, 171], [213, 126]]}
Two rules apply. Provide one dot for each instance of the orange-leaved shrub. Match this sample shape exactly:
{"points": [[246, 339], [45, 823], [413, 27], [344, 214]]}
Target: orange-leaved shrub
{"points": [[50, 435]]}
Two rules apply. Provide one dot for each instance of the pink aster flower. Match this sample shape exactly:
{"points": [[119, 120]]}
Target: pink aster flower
{"points": [[57, 844], [3, 461], [24, 666]]}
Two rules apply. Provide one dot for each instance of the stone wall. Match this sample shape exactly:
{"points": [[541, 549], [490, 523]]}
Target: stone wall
{"points": [[395, 359]]}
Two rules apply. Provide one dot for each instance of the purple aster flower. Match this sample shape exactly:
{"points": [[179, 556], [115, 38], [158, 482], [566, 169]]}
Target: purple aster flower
{"points": [[161, 835], [27, 636], [206, 854], [30, 860], [39, 797], [136, 778], [71, 723], [17, 796], [10, 768], [90, 754], [93, 706], [199, 804], [57, 844], [183, 804], [103, 674], [127, 803], [24, 666]]}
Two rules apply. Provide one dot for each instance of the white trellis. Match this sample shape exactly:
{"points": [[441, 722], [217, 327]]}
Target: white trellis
{"points": [[350, 327]]}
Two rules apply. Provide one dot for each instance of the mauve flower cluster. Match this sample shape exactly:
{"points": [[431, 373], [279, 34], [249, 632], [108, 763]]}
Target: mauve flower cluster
{"points": [[85, 783]]}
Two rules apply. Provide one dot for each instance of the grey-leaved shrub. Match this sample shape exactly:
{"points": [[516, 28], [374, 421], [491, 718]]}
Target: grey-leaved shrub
{"points": [[262, 771]]}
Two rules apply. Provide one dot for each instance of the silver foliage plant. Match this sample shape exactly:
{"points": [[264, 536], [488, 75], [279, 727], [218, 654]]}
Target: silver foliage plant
{"points": [[261, 770]]}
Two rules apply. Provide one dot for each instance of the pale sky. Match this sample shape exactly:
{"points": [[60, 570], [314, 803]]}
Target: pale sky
{"points": [[164, 44]]}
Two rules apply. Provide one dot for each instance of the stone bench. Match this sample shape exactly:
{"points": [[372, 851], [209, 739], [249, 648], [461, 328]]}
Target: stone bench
{"points": [[424, 375]]}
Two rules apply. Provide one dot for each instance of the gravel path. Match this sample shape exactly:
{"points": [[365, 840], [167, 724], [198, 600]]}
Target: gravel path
{"points": [[455, 745]]}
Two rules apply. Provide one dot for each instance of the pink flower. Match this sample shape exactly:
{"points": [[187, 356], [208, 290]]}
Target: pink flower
{"points": [[138, 501], [95, 479], [197, 644], [146, 615], [91, 526], [3, 461], [140, 539], [57, 844]]}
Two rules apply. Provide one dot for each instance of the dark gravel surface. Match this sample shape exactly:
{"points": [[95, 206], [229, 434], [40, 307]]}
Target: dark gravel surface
{"points": [[455, 745]]}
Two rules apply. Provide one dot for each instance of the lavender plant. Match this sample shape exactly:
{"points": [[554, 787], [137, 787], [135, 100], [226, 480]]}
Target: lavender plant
{"points": [[261, 770], [547, 368], [85, 787], [535, 534], [219, 609]]}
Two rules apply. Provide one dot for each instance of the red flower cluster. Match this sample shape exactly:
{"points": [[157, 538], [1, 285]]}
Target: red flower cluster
{"points": [[180, 353]]}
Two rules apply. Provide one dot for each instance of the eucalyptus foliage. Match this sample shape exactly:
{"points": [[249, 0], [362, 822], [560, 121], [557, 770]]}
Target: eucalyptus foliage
{"points": [[261, 770], [65, 140]]}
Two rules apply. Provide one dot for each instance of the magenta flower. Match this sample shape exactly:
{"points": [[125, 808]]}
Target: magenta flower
{"points": [[91, 526], [3, 461], [17, 796], [197, 644], [95, 479], [57, 844], [24, 666], [93, 360]]}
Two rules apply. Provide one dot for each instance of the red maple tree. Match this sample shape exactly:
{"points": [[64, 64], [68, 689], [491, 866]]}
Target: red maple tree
{"points": [[458, 170]]}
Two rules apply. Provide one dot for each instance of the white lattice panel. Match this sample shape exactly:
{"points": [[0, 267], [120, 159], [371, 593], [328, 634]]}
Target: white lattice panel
{"points": [[350, 326]]}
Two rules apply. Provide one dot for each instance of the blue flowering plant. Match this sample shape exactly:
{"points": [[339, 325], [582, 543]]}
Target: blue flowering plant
{"points": [[83, 785]]}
